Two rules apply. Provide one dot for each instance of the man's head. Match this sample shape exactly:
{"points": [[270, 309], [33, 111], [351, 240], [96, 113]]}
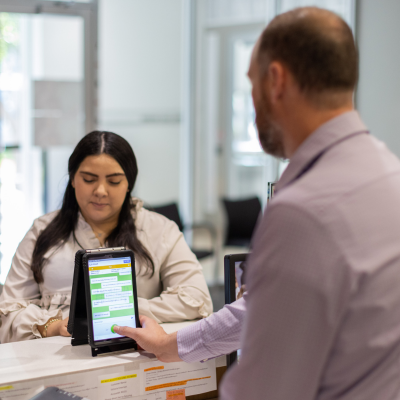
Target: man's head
{"points": [[306, 56]]}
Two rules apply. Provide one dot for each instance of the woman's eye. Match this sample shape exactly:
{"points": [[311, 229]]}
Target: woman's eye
{"points": [[115, 183], [88, 180]]}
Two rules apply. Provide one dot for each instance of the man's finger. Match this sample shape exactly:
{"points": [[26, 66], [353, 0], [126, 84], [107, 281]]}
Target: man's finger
{"points": [[127, 331], [146, 321]]}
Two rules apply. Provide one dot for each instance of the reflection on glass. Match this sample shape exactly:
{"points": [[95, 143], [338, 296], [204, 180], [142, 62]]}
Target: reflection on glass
{"points": [[41, 103], [16, 210], [11, 79], [245, 138], [250, 168]]}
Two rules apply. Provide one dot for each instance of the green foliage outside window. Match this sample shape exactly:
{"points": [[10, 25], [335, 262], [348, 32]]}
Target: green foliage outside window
{"points": [[9, 33]]}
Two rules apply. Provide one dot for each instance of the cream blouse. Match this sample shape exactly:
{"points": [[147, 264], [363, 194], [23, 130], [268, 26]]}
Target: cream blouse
{"points": [[177, 290]]}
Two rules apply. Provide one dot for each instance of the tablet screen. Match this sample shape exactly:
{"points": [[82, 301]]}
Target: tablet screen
{"points": [[240, 287], [235, 287], [111, 293]]}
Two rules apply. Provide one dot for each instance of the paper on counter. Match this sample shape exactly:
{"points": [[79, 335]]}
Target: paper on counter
{"points": [[121, 386], [19, 391], [196, 378], [83, 384], [176, 394]]}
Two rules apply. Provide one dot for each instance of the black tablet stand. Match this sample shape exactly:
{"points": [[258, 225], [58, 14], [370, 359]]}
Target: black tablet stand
{"points": [[112, 348]]}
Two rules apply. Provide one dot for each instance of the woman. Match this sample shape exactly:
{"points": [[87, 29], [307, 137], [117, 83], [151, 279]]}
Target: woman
{"points": [[97, 211]]}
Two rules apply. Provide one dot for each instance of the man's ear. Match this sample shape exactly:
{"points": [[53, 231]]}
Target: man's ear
{"points": [[276, 80]]}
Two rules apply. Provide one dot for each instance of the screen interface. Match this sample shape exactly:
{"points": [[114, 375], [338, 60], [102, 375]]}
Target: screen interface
{"points": [[111, 292], [240, 287]]}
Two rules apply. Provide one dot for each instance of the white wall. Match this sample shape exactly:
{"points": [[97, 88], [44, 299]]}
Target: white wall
{"points": [[57, 175], [57, 55], [57, 48], [139, 87], [378, 95], [140, 54]]}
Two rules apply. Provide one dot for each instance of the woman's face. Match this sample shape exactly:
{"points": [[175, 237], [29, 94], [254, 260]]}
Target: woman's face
{"points": [[100, 188]]}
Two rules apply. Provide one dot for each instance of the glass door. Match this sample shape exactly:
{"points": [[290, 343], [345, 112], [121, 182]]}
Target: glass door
{"points": [[249, 168], [44, 112]]}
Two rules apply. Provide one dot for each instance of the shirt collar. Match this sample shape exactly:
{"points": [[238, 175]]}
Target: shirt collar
{"points": [[85, 235], [327, 135]]}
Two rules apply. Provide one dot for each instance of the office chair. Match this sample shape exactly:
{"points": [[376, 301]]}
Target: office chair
{"points": [[171, 211], [242, 216]]}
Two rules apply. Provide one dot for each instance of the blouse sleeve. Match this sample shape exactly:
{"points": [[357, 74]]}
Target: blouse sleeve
{"points": [[20, 310], [185, 295]]}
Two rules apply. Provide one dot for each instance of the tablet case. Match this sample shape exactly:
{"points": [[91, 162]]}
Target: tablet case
{"points": [[78, 315], [125, 342], [77, 322]]}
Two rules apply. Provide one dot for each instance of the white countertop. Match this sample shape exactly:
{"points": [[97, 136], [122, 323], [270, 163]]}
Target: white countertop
{"points": [[32, 359]]}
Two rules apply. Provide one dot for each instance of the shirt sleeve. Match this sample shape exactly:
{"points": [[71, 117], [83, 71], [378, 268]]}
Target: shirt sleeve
{"points": [[185, 295], [20, 299], [298, 289], [216, 335]]}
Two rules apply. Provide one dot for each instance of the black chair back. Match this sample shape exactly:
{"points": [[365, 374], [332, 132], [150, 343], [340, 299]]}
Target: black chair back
{"points": [[242, 216], [170, 211]]}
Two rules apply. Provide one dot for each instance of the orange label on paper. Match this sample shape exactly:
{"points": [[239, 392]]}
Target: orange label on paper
{"points": [[176, 394], [154, 368], [172, 384]]}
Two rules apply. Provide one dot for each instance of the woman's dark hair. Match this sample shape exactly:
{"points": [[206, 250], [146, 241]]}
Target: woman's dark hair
{"points": [[64, 224]]}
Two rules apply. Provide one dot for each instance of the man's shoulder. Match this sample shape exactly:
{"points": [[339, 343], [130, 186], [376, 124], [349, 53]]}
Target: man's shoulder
{"points": [[351, 196], [349, 174]]}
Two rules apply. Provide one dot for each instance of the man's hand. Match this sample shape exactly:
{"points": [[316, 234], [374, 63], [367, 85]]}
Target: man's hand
{"points": [[152, 338]]}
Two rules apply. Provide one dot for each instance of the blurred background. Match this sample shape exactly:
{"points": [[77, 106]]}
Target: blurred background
{"points": [[170, 77]]}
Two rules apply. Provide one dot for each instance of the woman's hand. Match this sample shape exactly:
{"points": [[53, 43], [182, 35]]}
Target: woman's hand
{"points": [[58, 328]]}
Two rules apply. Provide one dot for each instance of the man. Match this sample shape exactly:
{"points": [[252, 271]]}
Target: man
{"points": [[323, 303]]}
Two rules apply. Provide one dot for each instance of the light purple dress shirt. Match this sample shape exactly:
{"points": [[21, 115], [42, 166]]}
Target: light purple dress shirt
{"points": [[323, 303], [213, 336]]}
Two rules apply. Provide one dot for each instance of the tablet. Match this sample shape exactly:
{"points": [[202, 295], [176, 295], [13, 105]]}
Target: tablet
{"points": [[103, 295], [235, 275], [111, 296]]}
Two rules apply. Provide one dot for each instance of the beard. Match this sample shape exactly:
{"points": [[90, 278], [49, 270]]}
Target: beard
{"points": [[269, 134]]}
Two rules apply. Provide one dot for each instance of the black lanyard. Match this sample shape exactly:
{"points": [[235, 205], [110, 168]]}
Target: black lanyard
{"points": [[76, 240]]}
